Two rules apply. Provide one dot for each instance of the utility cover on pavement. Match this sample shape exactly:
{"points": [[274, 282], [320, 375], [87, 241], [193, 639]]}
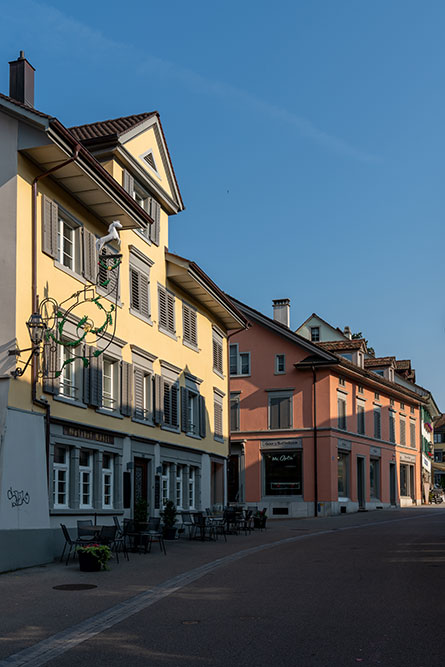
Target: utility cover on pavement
{"points": [[74, 587]]}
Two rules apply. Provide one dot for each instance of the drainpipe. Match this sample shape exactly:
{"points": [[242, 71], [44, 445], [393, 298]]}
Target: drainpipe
{"points": [[35, 300], [314, 425]]}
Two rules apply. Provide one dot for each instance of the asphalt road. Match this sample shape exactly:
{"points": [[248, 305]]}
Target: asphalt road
{"points": [[369, 592]]}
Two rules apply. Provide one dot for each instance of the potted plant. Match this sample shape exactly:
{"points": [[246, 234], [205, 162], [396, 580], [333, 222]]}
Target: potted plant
{"points": [[259, 519], [169, 515], [93, 557]]}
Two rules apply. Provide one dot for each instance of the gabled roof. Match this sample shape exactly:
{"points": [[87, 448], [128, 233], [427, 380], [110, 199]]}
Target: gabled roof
{"points": [[24, 106], [283, 330], [113, 127], [343, 345], [193, 280], [379, 362], [321, 320]]}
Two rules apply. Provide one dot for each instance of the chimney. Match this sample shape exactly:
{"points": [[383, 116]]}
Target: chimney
{"points": [[281, 311], [347, 332], [21, 80]]}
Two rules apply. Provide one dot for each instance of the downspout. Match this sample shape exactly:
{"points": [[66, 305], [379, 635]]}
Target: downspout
{"points": [[314, 426], [35, 299]]}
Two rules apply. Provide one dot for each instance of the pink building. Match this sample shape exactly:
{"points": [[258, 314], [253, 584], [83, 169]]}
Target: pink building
{"points": [[296, 401]]}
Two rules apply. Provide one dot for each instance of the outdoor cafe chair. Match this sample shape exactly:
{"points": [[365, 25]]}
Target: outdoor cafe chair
{"points": [[72, 544], [187, 522], [154, 532], [108, 536], [130, 535], [203, 526], [85, 531]]}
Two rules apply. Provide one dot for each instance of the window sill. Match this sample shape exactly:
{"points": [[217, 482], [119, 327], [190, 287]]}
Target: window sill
{"points": [[143, 237], [145, 422], [282, 428], [276, 373], [194, 436], [109, 413], [219, 374], [171, 429], [218, 438], [247, 375], [59, 511], [106, 296], [70, 401], [195, 348], [167, 333], [70, 272], [147, 320]]}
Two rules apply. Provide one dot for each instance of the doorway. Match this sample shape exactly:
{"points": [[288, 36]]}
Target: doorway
{"points": [[361, 487], [140, 480], [392, 484]]}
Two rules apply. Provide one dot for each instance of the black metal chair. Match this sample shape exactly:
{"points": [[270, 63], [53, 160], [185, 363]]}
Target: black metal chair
{"points": [[73, 544], [187, 522], [84, 532], [154, 532], [130, 535], [119, 531], [108, 536]]}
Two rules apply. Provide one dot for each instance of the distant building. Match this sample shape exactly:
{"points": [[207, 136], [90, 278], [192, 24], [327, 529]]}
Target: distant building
{"points": [[439, 451]]}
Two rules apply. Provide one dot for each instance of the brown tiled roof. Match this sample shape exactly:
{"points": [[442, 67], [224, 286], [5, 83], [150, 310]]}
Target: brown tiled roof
{"points": [[24, 106], [105, 128], [337, 345], [403, 364], [379, 361]]}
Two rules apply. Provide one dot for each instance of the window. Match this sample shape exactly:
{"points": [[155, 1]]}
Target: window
{"points": [[217, 345], [191, 417], [189, 325], [374, 478], [376, 396], [165, 483], [108, 280], [392, 427], [139, 292], [69, 378], [360, 418], [239, 361], [341, 413], [346, 355], [170, 402], [360, 389], [438, 455], [315, 334], [283, 473], [143, 395], [60, 477], [378, 371], [343, 474], [280, 410], [377, 422], [218, 416], [411, 409], [68, 249], [85, 478], [406, 480], [107, 481], [341, 382], [280, 363], [192, 488], [402, 406], [179, 489], [391, 402], [166, 311], [412, 434], [148, 203], [402, 431], [109, 384], [234, 412]]}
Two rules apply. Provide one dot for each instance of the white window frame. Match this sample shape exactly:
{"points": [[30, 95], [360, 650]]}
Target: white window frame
{"points": [[86, 477], [65, 223], [193, 412], [110, 399], [192, 488], [179, 487], [58, 469], [107, 472], [315, 338], [165, 483], [69, 383]]}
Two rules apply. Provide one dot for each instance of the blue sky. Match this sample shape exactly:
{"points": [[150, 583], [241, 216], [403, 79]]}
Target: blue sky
{"points": [[307, 138]]}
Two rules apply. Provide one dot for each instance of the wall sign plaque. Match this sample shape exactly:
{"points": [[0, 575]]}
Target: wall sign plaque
{"points": [[294, 443], [88, 434]]}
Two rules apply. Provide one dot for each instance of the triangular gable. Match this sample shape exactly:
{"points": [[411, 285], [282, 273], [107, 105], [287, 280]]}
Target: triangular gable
{"points": [[327, 331]]}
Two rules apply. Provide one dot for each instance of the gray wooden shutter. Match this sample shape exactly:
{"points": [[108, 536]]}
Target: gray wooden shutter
{"points": [[86, 376], [128, 182], [90, 267], [274, 407], [50, 219], [93, 378], [202, 417], [163, 320], [139, 394], [51, 359], [144, 295], [126, 388], [171, 313], [184, 410], [174, 403], [155, 212], [158, 400]]}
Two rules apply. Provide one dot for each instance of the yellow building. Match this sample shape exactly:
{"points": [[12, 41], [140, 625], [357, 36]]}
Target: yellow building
{"points": [[128, 396]]}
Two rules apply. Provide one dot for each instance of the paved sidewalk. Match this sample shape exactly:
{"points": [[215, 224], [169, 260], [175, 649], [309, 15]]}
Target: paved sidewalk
{"points": [[31, 610]]}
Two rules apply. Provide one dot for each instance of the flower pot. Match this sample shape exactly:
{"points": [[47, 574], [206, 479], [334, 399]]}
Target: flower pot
{"points": [[88, 562], [169, 533]]}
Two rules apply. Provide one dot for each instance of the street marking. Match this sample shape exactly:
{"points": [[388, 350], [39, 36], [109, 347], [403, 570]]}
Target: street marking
{"points": [[54, 646]]}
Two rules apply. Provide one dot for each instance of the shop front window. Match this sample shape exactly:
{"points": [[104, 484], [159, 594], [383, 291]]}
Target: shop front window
{"points": [[374, 478], [283, 474], [343, 478]]}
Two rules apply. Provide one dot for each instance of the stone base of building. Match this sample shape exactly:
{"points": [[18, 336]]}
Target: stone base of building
{"points": [[293, 509]]}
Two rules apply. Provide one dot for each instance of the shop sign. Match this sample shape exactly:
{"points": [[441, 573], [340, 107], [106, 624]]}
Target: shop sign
{"points": [[88, 434], [426, 463], [407, 458], [295, 443]]}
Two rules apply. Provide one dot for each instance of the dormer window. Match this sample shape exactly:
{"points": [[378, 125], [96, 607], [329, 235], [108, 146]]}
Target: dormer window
{"points": [[148, 203], [315, 334]]}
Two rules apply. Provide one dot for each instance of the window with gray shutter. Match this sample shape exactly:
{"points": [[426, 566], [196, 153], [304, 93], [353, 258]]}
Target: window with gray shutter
{"points": [[392, 427], [128, 182], [412, 436], [217, 348], [155, 227], [189, 325], [166, 310], [140, 292], [51, 363], [402, 431], [360, 418], [50, 221], [218, 417], [377, 423], [171, 404], [280, 411], [185, 422], [89, 256], [202, 417], [93, 377], [234, 412], [158, 400], [139, 408], [341, 412]]}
